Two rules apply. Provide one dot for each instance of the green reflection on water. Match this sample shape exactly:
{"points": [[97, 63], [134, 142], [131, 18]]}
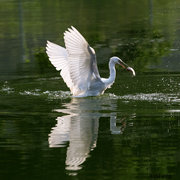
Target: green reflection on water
{"points": [[142, 35], [121, 134], [131, 132]]}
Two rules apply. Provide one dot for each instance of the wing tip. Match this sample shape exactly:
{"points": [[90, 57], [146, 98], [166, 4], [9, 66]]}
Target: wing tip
{"points": [[70, 30], [48, 42], [73, 28]]}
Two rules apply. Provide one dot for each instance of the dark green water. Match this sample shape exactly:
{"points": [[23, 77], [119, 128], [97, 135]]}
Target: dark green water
{"points": [[130, 132]]}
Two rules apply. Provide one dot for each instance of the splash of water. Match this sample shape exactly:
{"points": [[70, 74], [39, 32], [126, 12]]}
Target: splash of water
{"points": [[150, 97], [6, 88]]}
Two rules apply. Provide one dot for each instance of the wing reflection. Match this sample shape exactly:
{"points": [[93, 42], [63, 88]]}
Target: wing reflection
{"points": [[80, 126]]}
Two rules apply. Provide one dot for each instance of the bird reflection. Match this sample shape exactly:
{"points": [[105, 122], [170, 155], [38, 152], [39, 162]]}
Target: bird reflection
{"points": [[79, 127]]}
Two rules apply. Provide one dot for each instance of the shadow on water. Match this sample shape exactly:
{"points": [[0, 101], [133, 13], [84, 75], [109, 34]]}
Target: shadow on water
{"points": [[78, 128]]}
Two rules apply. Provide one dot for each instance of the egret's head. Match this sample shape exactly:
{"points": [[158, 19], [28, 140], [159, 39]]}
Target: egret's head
{"points": [[117, 60]]}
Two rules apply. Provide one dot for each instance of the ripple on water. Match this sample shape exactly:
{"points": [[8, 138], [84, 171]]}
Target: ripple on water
{"points": [[6, 89], [49, 94], [150, 97], [173, 110]]}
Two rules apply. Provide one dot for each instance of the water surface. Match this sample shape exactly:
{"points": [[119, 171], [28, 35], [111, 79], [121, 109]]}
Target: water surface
{"points": [[130, 132]]}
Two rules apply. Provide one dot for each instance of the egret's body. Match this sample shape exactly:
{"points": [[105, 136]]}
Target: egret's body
{"points": [[78, 65]]}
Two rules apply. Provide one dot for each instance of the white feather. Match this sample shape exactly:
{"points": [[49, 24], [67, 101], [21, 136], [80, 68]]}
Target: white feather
{"points": [[78, 65], [58, 56], [77, 62]]}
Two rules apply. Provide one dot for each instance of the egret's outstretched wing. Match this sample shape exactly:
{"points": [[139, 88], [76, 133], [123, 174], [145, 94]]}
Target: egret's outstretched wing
{"points": [[57, 55], [59, 58], [81, 59]]}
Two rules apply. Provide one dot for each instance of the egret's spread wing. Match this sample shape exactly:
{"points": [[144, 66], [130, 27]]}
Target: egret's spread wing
{"points": [[81, 58], [58, 57]]}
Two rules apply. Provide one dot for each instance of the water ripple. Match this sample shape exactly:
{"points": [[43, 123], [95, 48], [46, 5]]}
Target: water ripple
{"points": [[152, 97], [5, 88], [49, 94]]}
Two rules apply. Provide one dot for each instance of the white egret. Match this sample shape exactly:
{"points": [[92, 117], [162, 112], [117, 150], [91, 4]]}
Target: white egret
{"points": [[78, 67]]}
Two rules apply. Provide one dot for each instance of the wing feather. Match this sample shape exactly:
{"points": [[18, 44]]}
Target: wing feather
{"points": [[59, 58], [77, 62], [81, 59]]}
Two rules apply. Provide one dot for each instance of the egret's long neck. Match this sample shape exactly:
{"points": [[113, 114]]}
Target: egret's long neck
{"points": [[112, 76]]}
